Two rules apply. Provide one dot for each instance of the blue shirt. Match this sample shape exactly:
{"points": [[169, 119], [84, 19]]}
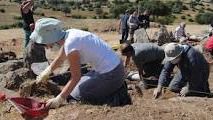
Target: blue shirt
{"points": [[124, 19]]}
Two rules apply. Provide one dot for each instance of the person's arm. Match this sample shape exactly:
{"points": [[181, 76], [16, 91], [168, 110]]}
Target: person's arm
{"points": [[129, 21], [127, 61], [59, 59], [26, 6], [163, 79], [75, 69], [74, 61], [56, 63]]}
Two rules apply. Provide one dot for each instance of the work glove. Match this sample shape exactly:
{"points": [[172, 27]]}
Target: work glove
{"points": [[56, 102], [157, 92], [43, 77], [184, 91]]}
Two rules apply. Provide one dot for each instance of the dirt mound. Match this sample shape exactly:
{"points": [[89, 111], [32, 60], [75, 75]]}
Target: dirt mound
{"points": [[30, 88], [10, 65]]}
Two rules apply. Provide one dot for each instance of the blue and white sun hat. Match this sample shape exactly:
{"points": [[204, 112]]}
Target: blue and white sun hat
{"points": [[47, 31]]}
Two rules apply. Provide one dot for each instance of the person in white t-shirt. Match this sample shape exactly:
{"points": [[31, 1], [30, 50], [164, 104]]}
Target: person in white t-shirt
{"points": [[79, 47]]}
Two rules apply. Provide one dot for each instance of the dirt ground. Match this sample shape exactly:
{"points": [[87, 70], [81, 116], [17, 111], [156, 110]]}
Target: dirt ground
{"points": [[143, 107]]}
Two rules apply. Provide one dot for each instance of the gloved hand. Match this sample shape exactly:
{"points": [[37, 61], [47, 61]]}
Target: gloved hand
{"points": [[43, 77], [184, 91], [56, 102], [157, 92]]}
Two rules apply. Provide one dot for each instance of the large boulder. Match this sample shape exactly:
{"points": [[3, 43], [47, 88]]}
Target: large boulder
{"points": [[14, 79], [141, 36], [10, 65], [34, 53]]}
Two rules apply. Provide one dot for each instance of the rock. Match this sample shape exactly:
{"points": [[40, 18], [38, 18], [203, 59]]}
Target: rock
{"points": [[34, 53], [14, 79], [5, 56], [11, 65], [141, 36]]}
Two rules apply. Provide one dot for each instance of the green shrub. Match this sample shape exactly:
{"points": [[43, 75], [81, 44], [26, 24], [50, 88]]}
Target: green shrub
{"points": [[85, 29], [2, 10], [78, 17], [204, 18], [183, 17], [201, 11], [185, 7], [191, 20], [2, 27], [116, 10], [166, 20], [39, 14], [189, 15], [177, 7], [209, 9], [17, 17], [94, 17], [90, 9], [15, 25], [18, 24]]}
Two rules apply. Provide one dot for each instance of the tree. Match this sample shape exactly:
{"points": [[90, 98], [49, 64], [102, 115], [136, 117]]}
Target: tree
{"points": [[156, 7], [204, 18], [116, 10], [66, 9]]}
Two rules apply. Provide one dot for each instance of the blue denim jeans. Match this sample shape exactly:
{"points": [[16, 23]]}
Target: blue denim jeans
{"points": [[94, 86], [27, 37]]}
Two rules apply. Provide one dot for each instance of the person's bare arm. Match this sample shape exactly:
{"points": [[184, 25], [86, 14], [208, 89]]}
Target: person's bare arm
{"points": [[59, 59], [127, 61], [140, 70], [74, 61], [26, 6]]}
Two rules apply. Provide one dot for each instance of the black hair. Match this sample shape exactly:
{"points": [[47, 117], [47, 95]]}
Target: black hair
{"points": [[127, 48]]}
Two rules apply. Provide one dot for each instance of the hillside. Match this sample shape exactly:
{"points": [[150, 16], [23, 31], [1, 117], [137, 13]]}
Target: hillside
{"points": [[11, 15]]}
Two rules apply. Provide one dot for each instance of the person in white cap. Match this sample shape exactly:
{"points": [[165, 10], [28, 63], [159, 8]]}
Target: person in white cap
{"points": [[80, 47], [193, 74], [180, 34]]}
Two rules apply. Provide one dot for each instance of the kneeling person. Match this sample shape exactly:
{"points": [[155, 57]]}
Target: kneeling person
{"points": [[193, 74], [80, 47], [147, 57]]}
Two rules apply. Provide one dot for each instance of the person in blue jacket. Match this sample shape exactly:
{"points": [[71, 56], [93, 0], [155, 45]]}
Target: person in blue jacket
{"points": [[193, 74]]}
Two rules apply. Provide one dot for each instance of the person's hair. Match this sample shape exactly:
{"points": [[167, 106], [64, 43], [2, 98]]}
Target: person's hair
{"points": [[126, 47]]}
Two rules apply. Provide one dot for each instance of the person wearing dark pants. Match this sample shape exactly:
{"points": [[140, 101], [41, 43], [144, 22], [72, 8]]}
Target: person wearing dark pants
{"points": [[147, 57], [193, 74], [124, 27], [144, 20], [28, 20]]}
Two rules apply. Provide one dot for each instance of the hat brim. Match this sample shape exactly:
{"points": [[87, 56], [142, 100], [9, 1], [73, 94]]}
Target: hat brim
{"points": [[172, 58], [47, 38]]}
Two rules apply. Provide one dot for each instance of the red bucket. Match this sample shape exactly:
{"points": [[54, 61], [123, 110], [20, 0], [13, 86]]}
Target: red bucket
{"points": [[29, 108]]}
